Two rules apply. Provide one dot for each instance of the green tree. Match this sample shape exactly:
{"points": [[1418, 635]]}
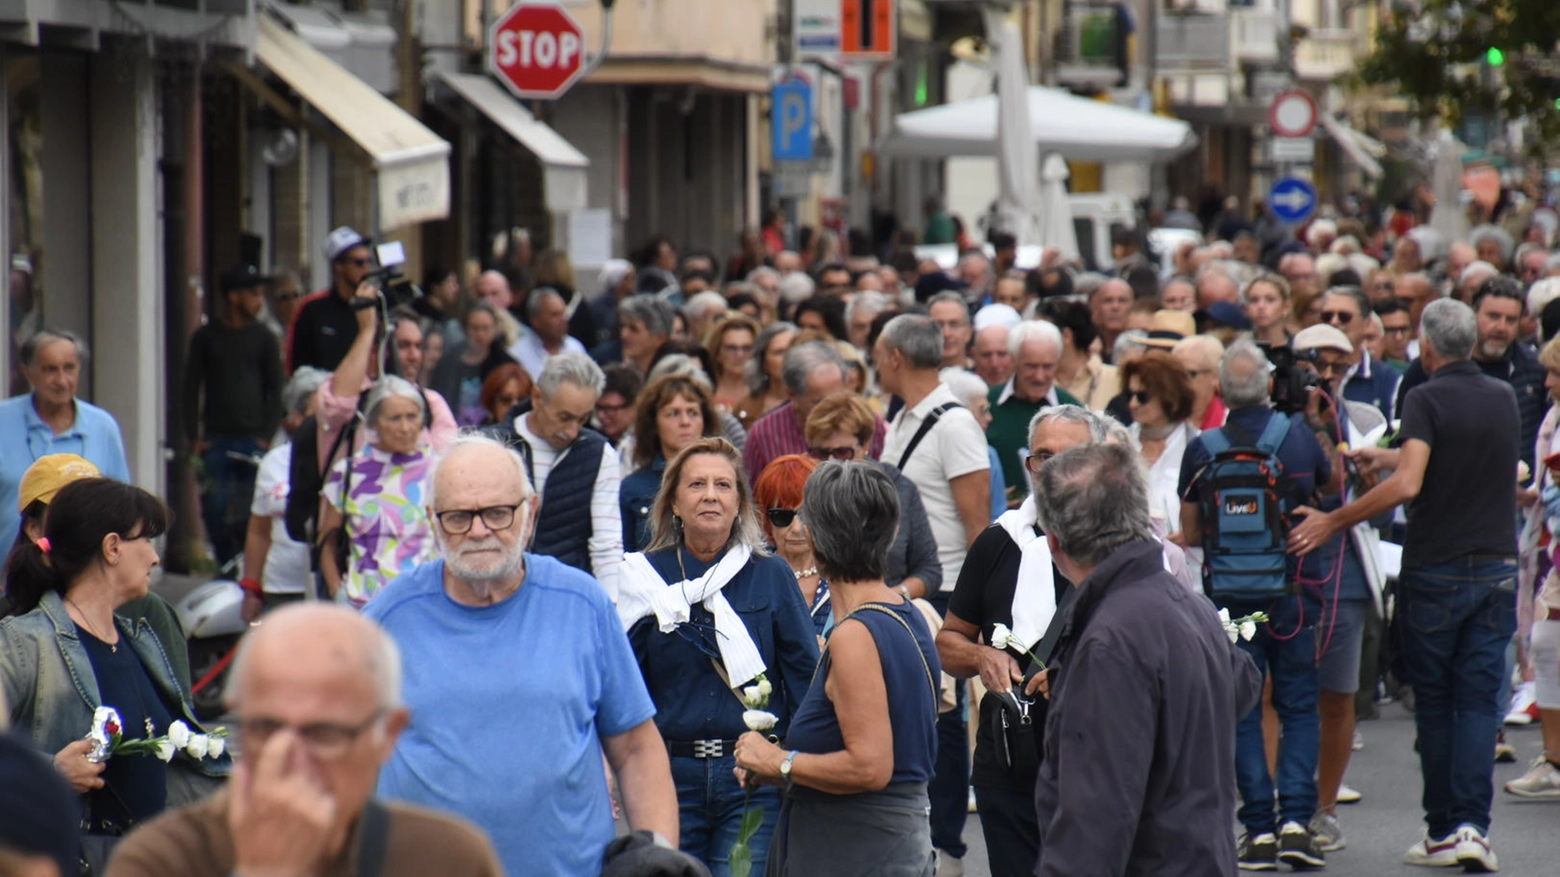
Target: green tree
{"points": [[1453, 59]]}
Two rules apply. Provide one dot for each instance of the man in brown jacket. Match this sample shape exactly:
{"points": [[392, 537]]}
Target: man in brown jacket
{"points": [[318, 693]]}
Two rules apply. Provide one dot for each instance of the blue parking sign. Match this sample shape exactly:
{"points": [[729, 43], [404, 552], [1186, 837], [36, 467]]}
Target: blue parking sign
{"points": [[791, 118]]}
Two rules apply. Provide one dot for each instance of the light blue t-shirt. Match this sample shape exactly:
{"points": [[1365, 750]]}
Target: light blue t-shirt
{"points": [[509, 704], [24, 437]]}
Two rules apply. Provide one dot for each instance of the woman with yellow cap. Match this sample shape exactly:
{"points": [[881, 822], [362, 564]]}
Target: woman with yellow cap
{"points": [[39, 485]]}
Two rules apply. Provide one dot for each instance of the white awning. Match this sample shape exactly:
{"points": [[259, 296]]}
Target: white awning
{"points": [[1075, 127], [1361, 149], [564, 168], [410, 161]]}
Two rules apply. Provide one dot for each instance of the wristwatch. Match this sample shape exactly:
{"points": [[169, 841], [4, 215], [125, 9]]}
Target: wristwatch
{"points": [[785, 768]]}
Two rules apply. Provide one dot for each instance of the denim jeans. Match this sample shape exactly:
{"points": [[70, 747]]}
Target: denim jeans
{"points": [[225, 497], [949, 789], [709, 805], [1454, 621], [1285, 650]]}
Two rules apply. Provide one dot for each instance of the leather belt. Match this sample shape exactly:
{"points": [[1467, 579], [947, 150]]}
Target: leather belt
{"points": [[701, 748]]}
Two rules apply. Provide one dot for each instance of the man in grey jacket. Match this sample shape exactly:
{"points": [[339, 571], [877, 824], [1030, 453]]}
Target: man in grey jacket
{"points": [[1138, 772]]}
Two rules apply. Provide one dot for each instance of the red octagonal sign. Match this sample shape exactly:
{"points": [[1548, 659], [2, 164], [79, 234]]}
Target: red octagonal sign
{"points": [[537, 49]]}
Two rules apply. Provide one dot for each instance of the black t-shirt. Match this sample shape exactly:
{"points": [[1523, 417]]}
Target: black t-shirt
{"points": [[323, 332], [1467, 503], [984, 597], [135, 787]]}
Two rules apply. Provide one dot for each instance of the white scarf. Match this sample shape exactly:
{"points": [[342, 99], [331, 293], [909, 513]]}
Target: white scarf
{"points": [[642, 592], [1034, 594]]}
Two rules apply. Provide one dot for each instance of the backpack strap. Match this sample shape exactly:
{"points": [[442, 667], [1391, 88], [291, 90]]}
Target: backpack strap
{"points": [[374, 838], [1273, 434], [926, 427], [1216, 441]]}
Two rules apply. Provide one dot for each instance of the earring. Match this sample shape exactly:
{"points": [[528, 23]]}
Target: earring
{"points": [[677, 521]]}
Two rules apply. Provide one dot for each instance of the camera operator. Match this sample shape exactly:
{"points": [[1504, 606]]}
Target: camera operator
{"points": [[339, 397], [1275, 811], [1344, 570], [324, 327]]}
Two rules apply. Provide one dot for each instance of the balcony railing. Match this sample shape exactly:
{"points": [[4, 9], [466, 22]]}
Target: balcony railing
{"points": [[1254, 35], [1197, 41], [1325, 54]]}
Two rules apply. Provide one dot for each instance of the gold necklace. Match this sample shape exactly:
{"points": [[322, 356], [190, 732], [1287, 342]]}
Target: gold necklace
{"points": [[112, 646]]}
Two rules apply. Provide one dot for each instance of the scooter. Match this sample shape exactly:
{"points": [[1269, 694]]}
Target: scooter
{"points": [[213, 619]]}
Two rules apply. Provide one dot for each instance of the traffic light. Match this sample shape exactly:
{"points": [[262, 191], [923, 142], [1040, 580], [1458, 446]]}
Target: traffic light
{"points": [[1494, 56]]}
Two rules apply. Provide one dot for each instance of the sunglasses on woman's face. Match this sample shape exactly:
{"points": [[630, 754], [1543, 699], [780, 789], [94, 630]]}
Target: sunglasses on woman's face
{"points": [[781, 518], [1139, 396], [842, 453]]}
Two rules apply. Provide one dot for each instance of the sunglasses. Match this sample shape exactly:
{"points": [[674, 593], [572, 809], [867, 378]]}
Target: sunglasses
{"points": [[1342, 318], [361, 263], [781, 518], [843, 454], [1139, 396]]}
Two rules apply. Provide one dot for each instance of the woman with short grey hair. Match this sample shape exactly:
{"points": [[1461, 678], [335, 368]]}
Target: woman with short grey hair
{"points": [[375, 525], [863, 742], [710, 613]]}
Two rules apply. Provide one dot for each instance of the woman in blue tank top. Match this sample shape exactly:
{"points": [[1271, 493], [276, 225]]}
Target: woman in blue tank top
{"points": [[863, 739]]}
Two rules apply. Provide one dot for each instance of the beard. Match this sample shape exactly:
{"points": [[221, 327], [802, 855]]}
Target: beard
{"points": [[1494, 349], [484, 574]]}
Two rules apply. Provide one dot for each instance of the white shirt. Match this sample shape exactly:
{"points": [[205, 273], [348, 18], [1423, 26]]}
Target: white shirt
{"points": [[1164, 503], [532, 356], [287, 563], [955, 446], [606, 519]]}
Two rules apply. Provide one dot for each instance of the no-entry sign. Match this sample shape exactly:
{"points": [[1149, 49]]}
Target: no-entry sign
{"points": [[537, 49]]}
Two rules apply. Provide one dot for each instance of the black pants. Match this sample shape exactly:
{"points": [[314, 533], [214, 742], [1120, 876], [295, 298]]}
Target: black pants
{"points": [[1011, 828], [950, 785]]}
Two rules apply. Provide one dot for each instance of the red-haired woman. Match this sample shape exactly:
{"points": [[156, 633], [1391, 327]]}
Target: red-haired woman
{"points": [[778, 494], [502, 390]]}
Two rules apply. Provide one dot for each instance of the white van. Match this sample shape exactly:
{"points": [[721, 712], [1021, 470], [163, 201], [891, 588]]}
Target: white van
{"points": [[1096, 216]]}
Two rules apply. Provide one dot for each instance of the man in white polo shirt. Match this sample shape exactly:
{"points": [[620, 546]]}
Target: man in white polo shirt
{"points": [[937, 443]]}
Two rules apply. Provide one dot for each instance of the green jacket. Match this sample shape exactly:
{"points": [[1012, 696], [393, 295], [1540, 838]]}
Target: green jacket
{"points": [[1009, 432]]}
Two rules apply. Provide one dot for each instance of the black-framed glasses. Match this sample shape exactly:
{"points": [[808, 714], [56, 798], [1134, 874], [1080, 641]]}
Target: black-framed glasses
{"points": [[1034, 461], [781, 518], [1343, 318], [1396, 330], [361, 263], [457, 522], [843, 453], [326, 740]]}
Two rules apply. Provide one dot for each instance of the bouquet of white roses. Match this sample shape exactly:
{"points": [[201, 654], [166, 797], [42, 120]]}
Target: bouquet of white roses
{"points": [[107, 736], [755, 697]]}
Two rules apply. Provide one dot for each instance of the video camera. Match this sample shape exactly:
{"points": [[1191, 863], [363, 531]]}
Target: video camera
{"points": [[1291, 384], [398, 289]]}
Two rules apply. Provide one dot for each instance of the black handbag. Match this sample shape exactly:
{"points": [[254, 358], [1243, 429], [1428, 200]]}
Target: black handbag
{"points": [[98, 841], [1015, 721]]}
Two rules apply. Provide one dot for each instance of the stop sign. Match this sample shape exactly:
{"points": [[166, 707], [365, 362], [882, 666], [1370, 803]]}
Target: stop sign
{"points": [[537, 49]]}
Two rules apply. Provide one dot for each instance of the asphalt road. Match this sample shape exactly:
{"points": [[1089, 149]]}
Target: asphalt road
{"points": [[1388, 819]]}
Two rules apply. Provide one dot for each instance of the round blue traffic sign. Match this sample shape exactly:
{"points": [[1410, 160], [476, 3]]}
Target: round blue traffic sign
{"points": [[1292, 199]]}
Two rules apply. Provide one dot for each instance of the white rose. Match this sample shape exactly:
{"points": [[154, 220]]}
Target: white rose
{"points": [[764, 687], [752, 696], [1248, 629], [165, 750], [1001, 637], [759, 720], [1224, 617], [198, 746], [179, 734], [1232, 632], [215, 747]]}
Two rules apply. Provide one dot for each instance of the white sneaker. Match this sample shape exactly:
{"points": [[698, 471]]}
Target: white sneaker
{"points": [[1433, 853], [1473, 851], [1348, 795], [1359, 741], [1524, 705], [1541, 782]]}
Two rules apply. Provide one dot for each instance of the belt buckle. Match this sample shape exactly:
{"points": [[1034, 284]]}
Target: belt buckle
{"points": [[709, 749]]}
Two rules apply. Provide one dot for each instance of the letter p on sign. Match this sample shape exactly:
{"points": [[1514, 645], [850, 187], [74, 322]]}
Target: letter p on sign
{"points": [[536, 49]]}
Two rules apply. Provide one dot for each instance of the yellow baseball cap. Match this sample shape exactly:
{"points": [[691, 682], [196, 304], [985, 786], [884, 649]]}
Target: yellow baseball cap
{"points": [[45, 477]]}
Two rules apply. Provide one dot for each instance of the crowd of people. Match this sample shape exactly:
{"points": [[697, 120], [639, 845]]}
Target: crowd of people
{"points": [[738, 553]]}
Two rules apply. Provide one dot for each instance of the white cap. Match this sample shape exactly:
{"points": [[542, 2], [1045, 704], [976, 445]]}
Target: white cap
{"points": [[1321, 337], [341, 240]]}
